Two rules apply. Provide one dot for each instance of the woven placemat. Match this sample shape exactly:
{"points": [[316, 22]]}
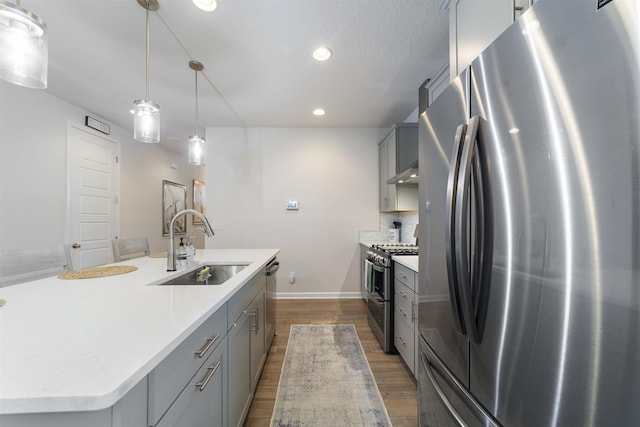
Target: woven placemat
{"points": [[92, 273], [158, 255]]}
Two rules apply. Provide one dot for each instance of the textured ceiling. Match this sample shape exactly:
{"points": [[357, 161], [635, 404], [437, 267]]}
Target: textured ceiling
{"points": [[258, 69]]}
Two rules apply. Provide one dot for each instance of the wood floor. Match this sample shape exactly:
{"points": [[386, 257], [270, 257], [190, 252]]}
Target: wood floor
{"points": [[395, 382]]}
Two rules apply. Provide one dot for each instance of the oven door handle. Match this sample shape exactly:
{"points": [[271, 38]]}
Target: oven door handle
{"points": [[368, 275], [377, 268]]}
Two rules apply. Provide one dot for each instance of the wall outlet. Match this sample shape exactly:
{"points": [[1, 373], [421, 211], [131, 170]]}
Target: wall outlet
{"points": [[217, 225], [292, 277]]}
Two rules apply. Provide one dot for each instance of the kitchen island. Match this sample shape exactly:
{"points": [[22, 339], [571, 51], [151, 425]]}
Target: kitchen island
{"points": [[69, 346]]}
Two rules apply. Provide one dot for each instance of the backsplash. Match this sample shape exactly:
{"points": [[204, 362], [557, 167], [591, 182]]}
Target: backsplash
{"points": [[409, 220]]}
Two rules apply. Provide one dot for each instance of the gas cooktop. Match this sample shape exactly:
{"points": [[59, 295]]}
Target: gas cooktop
{"points": [[396, 248]]}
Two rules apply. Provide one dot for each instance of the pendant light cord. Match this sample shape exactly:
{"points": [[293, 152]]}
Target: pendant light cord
{"points": [[147, 49], [196, 132]]}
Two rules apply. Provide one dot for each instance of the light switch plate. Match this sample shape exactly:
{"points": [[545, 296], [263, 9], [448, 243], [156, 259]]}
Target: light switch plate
{"points": [[292, 205]]}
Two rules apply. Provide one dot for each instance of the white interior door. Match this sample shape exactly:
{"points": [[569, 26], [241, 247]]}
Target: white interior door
{"points": [[93, 178]]}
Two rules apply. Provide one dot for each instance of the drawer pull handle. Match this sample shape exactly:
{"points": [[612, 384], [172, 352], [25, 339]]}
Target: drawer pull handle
{"points": [[402, 341], [207, 346], [402, 312], [404, 276], [210, 371], [255, 327]]}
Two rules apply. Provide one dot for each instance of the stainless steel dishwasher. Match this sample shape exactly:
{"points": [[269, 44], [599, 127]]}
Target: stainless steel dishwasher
{"points": [[270, 330]]}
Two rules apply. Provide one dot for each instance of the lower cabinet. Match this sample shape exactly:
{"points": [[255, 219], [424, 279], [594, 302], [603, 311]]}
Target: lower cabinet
{"points": [[172, 376], [247, 351], [405, 329], [239, 369], [203, 401], [258, 346]]}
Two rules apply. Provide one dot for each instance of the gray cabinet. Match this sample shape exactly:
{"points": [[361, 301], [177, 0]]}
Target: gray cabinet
{"points": [[258, 353], [474, 24], [239, 369], [246, 347], [173, 374], [203, 401], [397, 152], [406, 315]]}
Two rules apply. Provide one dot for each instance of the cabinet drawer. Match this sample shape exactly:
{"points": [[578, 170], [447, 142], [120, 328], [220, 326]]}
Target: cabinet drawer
{"points": [[203, 400], [241, 300], [405, 275], [169, 378], [404, 314], [404, 340], [404, 298]]}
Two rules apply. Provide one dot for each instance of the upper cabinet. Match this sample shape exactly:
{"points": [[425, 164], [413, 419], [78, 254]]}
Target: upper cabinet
{"points": [[398, 152], [474, 24]]}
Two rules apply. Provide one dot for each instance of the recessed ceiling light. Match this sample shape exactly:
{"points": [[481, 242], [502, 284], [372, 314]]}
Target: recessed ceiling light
{"points": [[322, 54], [318, 112], [207, 5]]}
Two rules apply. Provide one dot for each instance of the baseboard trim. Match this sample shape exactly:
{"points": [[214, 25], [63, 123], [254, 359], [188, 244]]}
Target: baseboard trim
{"points": [[319, 295]]}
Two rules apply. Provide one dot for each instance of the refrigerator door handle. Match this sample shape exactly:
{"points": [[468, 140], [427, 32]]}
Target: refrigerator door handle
{"points": [[483, 242], [431, 364], [450, 232], [462, 226]]}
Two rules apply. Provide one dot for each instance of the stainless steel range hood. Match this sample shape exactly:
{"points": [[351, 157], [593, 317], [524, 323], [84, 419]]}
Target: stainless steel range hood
{"points": [[407, 176]]}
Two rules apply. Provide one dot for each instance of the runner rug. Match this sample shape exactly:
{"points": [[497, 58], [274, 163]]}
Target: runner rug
{"points": [[326, 381]]}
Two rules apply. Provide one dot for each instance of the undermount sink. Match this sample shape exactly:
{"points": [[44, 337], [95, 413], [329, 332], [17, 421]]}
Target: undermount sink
{"points": [[216, 275]]}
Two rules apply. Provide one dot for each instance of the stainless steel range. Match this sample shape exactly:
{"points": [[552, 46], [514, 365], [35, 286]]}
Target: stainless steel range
{"points": [[379, 276]]}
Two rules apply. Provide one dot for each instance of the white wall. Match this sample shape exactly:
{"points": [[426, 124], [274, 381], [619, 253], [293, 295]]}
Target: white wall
{"points": [[33, 128], [332, 173], [143, 167]]}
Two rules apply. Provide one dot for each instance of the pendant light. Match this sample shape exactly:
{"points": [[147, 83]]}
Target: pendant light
{"points": [[23, 47], [196, 142], [146, 113]]}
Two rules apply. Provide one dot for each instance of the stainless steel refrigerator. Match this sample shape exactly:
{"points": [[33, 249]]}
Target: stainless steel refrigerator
{"points": [[529, 292]]}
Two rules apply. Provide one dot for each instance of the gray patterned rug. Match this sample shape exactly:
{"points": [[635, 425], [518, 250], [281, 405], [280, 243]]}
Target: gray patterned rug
{"points": [[326, 381]]}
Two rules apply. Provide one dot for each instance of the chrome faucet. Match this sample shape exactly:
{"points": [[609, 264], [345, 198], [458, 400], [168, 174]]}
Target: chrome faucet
{"points": [[171, 256]]}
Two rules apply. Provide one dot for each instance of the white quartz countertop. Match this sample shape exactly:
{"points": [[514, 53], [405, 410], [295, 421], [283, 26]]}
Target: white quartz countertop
{"points": [[80, 345], [409, 261]]}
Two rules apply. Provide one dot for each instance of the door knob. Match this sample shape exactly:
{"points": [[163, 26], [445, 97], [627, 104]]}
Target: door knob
{"points": [[75, 245]]}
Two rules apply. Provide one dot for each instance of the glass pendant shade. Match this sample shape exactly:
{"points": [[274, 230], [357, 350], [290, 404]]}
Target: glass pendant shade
{"points": [[196, 150], [23, 47], [196, 143], [146, 121]]}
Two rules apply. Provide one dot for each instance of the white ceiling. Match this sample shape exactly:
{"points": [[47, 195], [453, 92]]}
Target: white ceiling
{"points": [[258, 69]]}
